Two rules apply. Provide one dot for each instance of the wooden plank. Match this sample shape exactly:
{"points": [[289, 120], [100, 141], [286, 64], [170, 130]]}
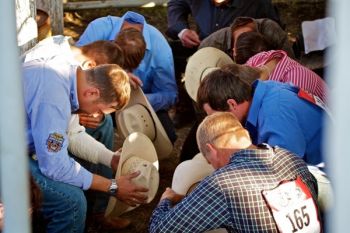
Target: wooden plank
{"points": [[55, 10], [111, 3]]}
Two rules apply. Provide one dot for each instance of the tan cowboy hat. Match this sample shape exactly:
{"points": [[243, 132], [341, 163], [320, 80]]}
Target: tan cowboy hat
{"points": [[189, 173], [139, 116], [138, 154], [200, 64]]}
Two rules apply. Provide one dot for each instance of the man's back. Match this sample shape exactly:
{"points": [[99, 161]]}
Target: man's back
{"points": [[278, 116], [248, 174]]}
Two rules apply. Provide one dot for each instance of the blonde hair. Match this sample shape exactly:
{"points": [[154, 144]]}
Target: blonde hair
{"points": [[223, 130], [112, 82]]}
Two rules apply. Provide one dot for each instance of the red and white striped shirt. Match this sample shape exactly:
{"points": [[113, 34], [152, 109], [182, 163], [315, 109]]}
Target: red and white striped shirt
{"points": [[290, 71]]}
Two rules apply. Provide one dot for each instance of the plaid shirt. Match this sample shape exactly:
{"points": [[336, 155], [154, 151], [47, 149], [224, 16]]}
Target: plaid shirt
{"points": [[231, 197]]}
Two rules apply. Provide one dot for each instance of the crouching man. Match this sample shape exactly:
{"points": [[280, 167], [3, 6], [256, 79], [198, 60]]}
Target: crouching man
{"points": [[254, 188]]}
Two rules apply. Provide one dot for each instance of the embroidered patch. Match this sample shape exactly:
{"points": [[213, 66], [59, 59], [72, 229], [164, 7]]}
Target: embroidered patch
{"points": [[54, 142]]}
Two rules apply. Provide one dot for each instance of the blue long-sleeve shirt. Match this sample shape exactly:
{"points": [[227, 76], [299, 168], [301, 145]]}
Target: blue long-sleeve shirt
{"points": [[277, 116], [156, 69], [210, 18], [50, 95]]}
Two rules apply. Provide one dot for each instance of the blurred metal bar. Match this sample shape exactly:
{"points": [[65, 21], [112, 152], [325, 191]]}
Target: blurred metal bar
{"points": [[69, 6], [13, 159], [338, 133]]}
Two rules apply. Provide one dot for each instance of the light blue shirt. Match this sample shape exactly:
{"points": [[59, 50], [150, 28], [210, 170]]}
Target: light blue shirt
{"points": [[156, 69], [277, 116], [50, 95]]}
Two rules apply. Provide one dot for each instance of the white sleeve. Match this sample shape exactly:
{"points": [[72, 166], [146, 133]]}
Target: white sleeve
{"points": [[83, 146]]}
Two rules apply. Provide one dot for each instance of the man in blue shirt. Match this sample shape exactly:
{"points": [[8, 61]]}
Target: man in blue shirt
{"points": [[156, 69], [272, 112], [53, 89]]}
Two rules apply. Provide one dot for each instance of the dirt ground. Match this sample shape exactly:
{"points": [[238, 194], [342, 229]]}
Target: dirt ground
{"points": [[292, 14]]}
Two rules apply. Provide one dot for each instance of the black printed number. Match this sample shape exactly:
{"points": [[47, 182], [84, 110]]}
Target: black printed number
{"points": [[300, 219]]}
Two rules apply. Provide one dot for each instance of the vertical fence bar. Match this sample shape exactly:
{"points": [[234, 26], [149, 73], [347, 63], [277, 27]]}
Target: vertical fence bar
{"points": [[338, 133], [13, 159]]}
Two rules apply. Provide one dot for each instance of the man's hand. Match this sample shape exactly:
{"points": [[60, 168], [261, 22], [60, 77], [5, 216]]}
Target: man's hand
{"points": [[115, 159], [172, 196], [135, 81], [130, 193], [91, 120], [190, 39]]}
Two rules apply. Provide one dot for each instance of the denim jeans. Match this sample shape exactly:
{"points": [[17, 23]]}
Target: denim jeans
{"points": [[98, 201], [63, 205]]}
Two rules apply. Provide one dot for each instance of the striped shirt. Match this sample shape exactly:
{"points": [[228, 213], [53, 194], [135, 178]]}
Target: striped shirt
{"points": [[231, 197], [290, 71]]}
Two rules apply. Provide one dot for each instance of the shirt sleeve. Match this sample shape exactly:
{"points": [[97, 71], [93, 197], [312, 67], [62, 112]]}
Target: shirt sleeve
{"points": [[83, 146], [204, 209], [178, 12], [49, 125], [99, 29], [163, 90]]}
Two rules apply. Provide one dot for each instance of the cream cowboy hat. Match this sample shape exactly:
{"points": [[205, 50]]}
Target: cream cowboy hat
{"points": [[200, 64], [190, 173], [138, 154], [187, 176], [139, 116]]}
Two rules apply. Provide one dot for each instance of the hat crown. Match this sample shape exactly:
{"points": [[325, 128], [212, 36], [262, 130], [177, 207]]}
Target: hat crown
{"points": [[138, 119]]}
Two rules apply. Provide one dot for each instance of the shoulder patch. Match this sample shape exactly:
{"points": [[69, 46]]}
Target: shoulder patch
{"points": [[54, 142]]}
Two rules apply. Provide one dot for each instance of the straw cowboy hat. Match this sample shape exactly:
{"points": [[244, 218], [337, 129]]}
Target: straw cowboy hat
{"points": [[200, 64], [138, 154], [187, 176], [139, 116], [190, 173]]}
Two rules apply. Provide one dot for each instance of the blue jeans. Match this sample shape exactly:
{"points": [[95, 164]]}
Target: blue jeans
{"points": [[63, 205], [98, 201]]}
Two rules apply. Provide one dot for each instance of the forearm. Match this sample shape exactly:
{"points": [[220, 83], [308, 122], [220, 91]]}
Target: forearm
{"points": [[161, 100], [83, 146], [100, 183]]}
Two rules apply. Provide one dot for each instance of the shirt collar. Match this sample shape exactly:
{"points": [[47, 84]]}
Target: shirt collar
{"points": [[259, 154], [73, 88], [133, 17]]}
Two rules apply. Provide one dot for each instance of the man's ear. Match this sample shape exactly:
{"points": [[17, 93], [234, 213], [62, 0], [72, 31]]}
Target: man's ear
{"points": [[92, 93], [88, 64], [211, 149], [232, 104]]}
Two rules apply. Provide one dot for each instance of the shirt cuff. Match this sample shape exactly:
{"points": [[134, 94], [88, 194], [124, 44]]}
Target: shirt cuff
{"points": [[181, 33]]}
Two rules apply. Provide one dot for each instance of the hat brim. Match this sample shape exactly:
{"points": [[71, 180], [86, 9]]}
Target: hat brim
{"points": [[162, 143], [198, 65], [136, 144], [190, 172]]}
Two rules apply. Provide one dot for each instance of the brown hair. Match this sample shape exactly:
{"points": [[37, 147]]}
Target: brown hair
{"points": [[242, 21], [230, 82], [104, 52], [248, 44], [133, 45], [113, 83]]}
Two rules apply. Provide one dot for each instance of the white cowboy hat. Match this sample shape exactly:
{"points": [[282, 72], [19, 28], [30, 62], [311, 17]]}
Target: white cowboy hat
{"points": [[200, 64], [190, 173], [139, 116], [138, 154]]}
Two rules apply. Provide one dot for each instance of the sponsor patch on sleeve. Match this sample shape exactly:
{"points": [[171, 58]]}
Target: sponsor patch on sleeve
{"points": [[54, 142]]}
